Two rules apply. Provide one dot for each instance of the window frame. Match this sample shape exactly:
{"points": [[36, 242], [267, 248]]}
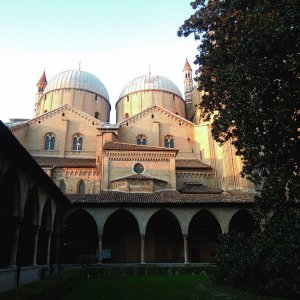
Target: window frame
{"points": [[81, 187], [169, 142], [79, 142], [50, 144], [142, 138]]}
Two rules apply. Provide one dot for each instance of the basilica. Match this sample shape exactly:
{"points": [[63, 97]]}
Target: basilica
{"points": [[152, 188]]}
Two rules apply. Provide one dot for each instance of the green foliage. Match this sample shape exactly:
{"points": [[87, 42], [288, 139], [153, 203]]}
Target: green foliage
{"points": [[267, 262], [48, 289], [249, 67]]}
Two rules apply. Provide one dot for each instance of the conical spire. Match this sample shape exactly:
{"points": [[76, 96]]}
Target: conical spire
{"points": [[42, 82], [187, 65]]}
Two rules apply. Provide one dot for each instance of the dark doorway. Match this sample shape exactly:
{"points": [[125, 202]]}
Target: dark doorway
{"points": [[27, 229], [163, 241], [121, 238], [242, 221], [80, 237], [203, 235], [44, 234]]}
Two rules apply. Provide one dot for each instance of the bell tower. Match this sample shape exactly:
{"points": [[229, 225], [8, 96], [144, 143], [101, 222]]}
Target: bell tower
{"points": [[188, 87], [41, 85]]}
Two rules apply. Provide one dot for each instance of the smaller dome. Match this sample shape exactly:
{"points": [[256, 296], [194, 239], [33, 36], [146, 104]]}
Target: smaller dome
{"points": [[77, 79], [150, 82]]}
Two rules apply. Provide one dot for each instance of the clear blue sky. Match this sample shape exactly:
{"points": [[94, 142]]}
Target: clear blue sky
{"points": [[114, 40]]}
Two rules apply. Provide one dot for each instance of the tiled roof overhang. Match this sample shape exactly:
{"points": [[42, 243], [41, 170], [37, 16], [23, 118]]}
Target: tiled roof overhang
{"points": [[134, 147], [62, 162], [163, 198], [191, 164]]}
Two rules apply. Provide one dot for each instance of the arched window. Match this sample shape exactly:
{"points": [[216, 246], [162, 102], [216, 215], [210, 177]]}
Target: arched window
{"points": [[96, 115], [77, 142], [126, 116], [62, 186], [169, 141], [81, 187], [141, 140], [49, 141]]}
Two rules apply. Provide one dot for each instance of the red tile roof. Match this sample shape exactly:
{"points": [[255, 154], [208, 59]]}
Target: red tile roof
{"points": [[186, 65], [191, 164], [163, 197], [43, 80], [133, 147], [198, 188], [62, 162]]}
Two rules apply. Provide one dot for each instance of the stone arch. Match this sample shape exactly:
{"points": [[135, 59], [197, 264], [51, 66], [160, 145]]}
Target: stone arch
{"points": [[242, 221], [163, 239], [121, 238], [203, 235], [10, 210], [80, 236], [28, 228], [56, 235], [45, 233]]}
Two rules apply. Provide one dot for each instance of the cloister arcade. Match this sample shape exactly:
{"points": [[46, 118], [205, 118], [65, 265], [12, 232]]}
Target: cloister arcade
{"points": [[29, 221], [31, 209], [149, 234]]}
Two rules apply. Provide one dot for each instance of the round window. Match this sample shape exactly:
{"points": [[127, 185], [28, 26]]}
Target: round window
{"points": [[138, 168]]}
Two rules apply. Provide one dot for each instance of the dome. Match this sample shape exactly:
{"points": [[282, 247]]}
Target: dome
{"points": [[77, 79], [150, 82]]}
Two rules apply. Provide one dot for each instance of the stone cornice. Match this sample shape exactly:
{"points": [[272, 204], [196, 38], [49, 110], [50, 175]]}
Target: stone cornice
{"points": [[140, 156], [151, 110], [63, 109]]}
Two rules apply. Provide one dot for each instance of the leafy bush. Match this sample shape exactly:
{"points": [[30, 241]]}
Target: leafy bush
{"points": [[267, 262], [51, 288]]}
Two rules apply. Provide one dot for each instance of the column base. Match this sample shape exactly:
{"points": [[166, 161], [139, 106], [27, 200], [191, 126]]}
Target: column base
{"points": [[186, 262], [143, 263], [11, 267]]}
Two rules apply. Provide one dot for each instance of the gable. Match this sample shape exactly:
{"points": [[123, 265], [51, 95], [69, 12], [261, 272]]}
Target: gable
{"points": [[156, 124], [63, 123], [168, 116]]}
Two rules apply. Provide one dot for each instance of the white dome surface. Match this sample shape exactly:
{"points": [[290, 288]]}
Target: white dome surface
{"points": [[150, 82], [77, 79]]}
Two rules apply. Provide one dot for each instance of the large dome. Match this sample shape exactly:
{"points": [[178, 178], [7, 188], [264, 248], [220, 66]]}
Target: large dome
{"points": [[150, 82], [77, 79]]}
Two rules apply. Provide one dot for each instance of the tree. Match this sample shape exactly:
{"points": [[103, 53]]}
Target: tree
{"points": [[249, 69]]}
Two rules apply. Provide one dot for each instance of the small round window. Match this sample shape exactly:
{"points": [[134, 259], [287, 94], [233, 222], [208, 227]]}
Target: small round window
{"points": [[138, 168]]}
